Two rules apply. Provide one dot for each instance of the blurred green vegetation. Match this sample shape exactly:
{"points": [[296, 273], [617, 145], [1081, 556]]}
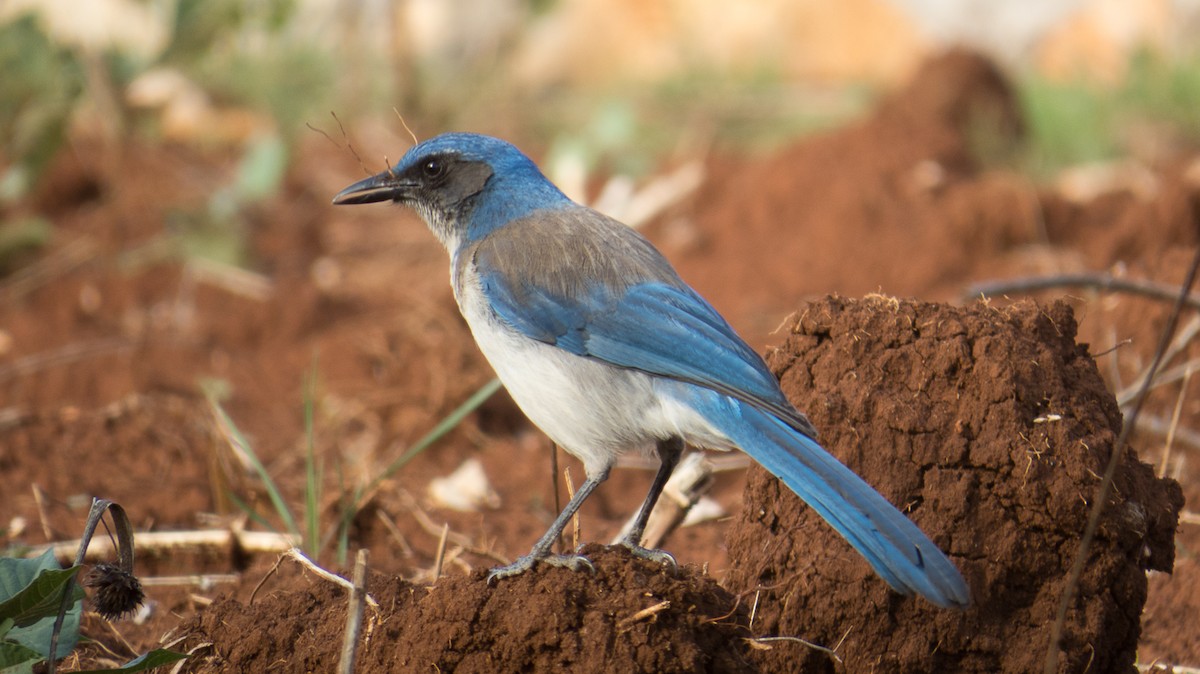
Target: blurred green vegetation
{"points": [[257, 56], [40, 87], [1153, 110]]}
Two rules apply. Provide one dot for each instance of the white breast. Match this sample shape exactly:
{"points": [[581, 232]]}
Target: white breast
{"points": [[591, 409]]}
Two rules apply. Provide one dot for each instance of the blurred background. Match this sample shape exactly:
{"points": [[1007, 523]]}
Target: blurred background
{"points": [[175, 287], [614, 85]]}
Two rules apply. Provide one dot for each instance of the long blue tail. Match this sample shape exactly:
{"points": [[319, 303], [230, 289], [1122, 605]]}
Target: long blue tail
{"points": [[899, 552]]}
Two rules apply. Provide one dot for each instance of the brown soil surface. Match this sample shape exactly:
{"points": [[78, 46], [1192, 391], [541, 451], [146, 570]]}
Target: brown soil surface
{"points": [[105, 337], [988, 425]]}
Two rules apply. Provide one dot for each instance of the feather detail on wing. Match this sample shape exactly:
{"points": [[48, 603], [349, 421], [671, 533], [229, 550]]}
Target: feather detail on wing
{"points": [[633, 311]]}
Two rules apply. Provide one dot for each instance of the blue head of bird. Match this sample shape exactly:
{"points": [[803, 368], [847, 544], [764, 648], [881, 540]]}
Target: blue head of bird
{"points": [[464, 186]]}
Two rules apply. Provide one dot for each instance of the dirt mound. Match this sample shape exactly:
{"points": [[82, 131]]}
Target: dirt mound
{"points": [[106, 334], [628, 616], [989, 427]]}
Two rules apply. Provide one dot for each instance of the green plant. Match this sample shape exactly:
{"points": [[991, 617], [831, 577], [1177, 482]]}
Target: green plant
{"points": [[40, 89], [40, 603], [313, 541]]}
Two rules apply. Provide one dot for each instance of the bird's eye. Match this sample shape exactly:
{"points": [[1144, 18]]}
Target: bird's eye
{"points": [[433, 168]]}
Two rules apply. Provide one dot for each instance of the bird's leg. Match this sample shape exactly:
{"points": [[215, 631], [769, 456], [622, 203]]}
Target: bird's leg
{"points": [[669, 453], [541, 549]]}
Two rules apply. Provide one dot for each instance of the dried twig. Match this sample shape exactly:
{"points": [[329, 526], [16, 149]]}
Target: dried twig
{"points": [[298, 555], [1114, 460], [691, 480], [204, 581], [575, 517], [151, 541], [424, 521], [1174, 427], [440, 556], [358, 594], [61, 262], [761, 642], [648, 612], [68, 354], [1106, 282], [1181, 341], [1160, 426]]}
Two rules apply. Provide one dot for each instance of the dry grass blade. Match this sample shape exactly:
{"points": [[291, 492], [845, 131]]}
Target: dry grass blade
{"points": [[159, 542], [298, 555], [575, 517], [68, 354], [691, 480], [1105, 282], [649, 612], [1184, 293], [1185, 337], [440, 557], [358, 593], [1174, 427], [63, 261]]}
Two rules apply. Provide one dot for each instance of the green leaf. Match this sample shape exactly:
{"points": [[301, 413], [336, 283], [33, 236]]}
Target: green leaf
{"points": [[31, 594], [155, 658], [40, 599], [17, 659]]}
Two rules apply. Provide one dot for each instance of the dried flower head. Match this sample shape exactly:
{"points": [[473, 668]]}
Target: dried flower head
{"points": [[117, 592]]}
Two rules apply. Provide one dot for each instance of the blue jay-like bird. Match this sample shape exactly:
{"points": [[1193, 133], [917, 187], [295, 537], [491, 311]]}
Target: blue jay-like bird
{"points": [[607, 350]]}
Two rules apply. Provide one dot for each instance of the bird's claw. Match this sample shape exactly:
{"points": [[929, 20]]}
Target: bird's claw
{"points": [[573, 562], [657, 556]]}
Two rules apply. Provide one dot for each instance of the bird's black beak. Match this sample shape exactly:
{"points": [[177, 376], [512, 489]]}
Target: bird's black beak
{"points": [[382, 187]]}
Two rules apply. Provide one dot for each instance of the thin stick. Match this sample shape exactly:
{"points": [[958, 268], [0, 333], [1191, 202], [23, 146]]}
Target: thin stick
{"points": [[440, 558], [263, 581], [765, 640], [1161, 426], [354, 611], [554, 486], [648, 612], [691, 480], [390, 525], [1118, 450], [405, 125], [432, 529], [39, 499], [575, 517], [1167, 377], [1166, 457], [1106, 282], [62, 356], [152, 541], [1181, 341], [298, 555], [203, 580], [60, 263]]}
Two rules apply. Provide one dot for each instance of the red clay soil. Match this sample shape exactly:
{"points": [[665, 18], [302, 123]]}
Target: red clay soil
{"points": [[991, 427], [628, 616], [945, 410], [106, 337]]}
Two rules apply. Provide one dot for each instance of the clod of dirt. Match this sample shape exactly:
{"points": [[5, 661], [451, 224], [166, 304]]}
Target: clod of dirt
{"points": [[990, 427], [628, 616]]}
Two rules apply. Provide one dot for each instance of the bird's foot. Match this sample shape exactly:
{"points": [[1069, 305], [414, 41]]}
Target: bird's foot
{"points": [[523, 564], [657, 556]]}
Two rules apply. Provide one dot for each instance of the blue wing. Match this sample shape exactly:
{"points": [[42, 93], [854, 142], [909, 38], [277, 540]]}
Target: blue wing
{"points": [[663, 329]]}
